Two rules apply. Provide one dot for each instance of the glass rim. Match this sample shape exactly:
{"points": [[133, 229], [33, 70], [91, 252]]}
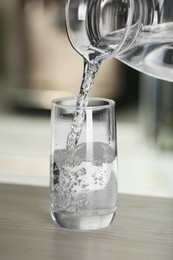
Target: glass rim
{"points": [[109, 103]]}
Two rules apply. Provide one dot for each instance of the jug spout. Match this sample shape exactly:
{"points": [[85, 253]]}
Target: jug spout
{"points": [[139, 33]]}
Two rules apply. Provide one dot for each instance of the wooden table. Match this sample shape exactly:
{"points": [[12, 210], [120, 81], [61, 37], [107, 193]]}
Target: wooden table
{"points": [[143, 229]]}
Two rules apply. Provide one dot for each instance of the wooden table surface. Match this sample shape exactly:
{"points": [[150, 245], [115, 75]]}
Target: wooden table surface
{"points": [[142, 229]]}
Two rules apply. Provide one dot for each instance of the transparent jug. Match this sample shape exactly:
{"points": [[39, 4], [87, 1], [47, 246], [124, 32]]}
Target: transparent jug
{"points": [[137, 32]]}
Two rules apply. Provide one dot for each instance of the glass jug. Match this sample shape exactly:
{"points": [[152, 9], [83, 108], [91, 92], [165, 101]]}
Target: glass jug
{"points": [[137, 32]]}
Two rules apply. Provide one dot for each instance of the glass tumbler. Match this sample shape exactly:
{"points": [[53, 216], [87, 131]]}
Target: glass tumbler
{"points": [[83, 180]]}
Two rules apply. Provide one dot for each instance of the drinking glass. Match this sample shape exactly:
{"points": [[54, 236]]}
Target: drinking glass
{"points": [[83, 180]]}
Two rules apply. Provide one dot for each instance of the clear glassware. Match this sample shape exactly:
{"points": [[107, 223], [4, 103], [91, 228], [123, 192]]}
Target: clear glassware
{"points": [[83, 181], [137, 32]]}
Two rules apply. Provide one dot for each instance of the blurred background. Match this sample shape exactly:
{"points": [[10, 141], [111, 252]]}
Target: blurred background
{"points": [[38, 64]]}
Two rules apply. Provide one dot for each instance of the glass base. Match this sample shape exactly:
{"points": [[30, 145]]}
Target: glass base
{"points": [[83, 222]]}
